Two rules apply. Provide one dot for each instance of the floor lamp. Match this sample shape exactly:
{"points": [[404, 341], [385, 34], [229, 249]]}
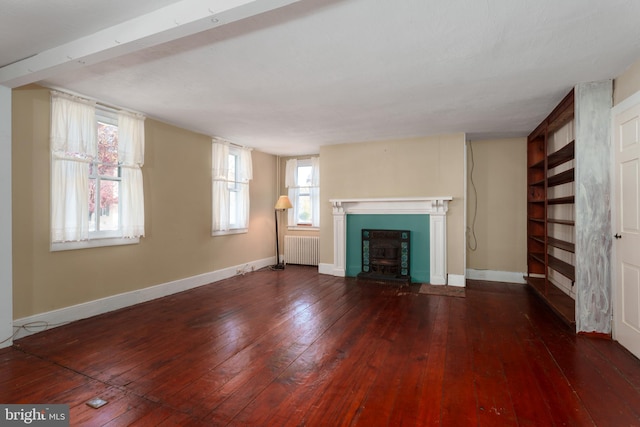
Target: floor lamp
{"points": [[282, 204]]}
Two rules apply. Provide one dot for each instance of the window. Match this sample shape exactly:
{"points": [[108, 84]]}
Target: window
{"points": [[303, 183], [96, 178], [231, 173], [104, 180]]}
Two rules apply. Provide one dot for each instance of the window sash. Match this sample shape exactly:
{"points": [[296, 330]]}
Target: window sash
{"points": [[299, 191], [76, 163], [231, 173]]}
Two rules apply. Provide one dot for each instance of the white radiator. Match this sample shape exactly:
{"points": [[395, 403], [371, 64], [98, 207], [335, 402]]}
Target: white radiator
{"points": [[303, 250]]}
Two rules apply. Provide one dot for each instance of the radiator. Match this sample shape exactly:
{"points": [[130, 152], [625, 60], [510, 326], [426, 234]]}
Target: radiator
{"points": [[303, 250]]}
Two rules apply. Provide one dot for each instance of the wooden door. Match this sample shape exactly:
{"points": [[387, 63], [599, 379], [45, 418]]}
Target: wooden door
{"points": [[626, 308]]}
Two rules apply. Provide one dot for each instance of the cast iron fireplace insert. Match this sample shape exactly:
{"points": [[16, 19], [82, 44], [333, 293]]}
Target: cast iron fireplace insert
{"points": [[385, 255]]}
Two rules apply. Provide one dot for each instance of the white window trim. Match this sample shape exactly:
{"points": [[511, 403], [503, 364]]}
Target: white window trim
{"points": [[236, 151], [303, 228], [296, 226], [93, 243], [102, 238], [230, 231]]}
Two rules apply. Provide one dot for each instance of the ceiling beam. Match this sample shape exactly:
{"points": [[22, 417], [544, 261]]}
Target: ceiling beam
{"points": [[181, 19]]}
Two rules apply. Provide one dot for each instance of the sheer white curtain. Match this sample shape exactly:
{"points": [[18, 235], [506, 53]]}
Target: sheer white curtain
{"points": [[225, 216], [220, 187], [314, 191], [131, 158], [291, 182], [244, 174], [294, 188], [73, 145]]}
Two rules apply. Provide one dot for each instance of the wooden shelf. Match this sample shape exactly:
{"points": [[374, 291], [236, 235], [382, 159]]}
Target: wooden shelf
{"points": [[541, 176], [561, 221], [562, 200], [537, 238], [561, 304], [561, 178], [562, 114], [561, 244], [561, 156], [562, 267], [538, 256]]}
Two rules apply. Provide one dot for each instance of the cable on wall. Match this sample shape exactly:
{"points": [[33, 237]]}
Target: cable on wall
{"points": [[472, 241]]}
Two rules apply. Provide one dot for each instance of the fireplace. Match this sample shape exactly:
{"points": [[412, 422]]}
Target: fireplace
{"points": [[385, 255], [435, 207]]}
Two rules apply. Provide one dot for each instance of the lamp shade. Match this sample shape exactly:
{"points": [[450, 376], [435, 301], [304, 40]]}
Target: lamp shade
{"points": [[283, 203]]}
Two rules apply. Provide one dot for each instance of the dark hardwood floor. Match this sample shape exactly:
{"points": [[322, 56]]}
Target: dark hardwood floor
{"points": [[294, 347]]}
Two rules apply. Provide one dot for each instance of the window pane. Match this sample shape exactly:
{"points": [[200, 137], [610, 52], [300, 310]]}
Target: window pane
{"points": [[107, 144], [108, 210], [233, 209], [109, 170], [107, 150], [232, 168], [304, 176], [92, 204], [304, 209]]}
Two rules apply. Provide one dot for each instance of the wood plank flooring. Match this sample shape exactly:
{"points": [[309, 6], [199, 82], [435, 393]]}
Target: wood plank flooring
{"points": [[294, 347]]}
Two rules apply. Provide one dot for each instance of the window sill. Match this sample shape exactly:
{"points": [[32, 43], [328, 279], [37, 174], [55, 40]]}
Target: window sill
{"points": [[303, 228], [234, 231], [93, 243]]}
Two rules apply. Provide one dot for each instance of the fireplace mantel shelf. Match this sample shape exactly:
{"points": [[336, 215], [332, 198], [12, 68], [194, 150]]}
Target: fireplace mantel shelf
{"points": [[392, 205], [435, 207]]}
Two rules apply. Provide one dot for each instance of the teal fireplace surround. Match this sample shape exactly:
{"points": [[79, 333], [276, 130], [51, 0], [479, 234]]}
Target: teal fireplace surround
{"points": [[418, 224]]}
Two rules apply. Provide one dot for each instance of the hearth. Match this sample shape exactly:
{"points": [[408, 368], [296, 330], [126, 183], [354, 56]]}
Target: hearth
{"points": [[385, 255]]}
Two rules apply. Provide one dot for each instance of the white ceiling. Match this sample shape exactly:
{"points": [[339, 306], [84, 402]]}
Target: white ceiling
{"points": [[306, 73]]}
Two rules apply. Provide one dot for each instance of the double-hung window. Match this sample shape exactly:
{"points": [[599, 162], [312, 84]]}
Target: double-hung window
{"points": [[231, 173], [302, 179], [96, 178], [105, 177]]}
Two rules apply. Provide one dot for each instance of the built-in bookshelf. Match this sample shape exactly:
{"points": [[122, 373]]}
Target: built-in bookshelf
{"points": [[550, 210]]}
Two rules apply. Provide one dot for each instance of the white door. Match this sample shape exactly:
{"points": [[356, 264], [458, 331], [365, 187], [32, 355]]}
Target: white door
{"points": [[626, 304]]}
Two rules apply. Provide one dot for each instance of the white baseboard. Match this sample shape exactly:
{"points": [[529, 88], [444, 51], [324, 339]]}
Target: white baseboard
{"points": [[330, 270], [43, 321], [496, 276], [456, 280]]}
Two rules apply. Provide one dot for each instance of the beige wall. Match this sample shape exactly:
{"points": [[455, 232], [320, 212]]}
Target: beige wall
{"points": [[429, 166], [500, 178], [627, 84], [178, 242]]}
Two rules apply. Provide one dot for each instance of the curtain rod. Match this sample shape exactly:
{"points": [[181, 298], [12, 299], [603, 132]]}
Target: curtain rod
{"points": [[224, 141], [89, 99]]}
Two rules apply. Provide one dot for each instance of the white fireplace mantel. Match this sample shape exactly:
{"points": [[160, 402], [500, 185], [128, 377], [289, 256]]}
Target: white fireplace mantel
{"points": [[435, 207]]}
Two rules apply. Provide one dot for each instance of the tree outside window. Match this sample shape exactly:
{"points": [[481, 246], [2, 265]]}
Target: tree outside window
{"points": [[104, 182]]}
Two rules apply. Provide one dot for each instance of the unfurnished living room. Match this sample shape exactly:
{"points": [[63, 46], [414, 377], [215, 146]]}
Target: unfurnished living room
{"points": [[306, 212]]}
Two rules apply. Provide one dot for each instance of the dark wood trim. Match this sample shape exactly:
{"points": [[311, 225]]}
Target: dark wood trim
{"points": [[597, 335]]}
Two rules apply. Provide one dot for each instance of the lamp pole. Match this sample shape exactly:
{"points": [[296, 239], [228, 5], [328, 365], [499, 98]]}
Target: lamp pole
{"points": [[279, 265], [282, 204]]}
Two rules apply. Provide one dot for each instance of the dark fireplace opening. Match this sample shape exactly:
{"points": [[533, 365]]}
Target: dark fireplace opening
{"points": [[385, 255]]}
